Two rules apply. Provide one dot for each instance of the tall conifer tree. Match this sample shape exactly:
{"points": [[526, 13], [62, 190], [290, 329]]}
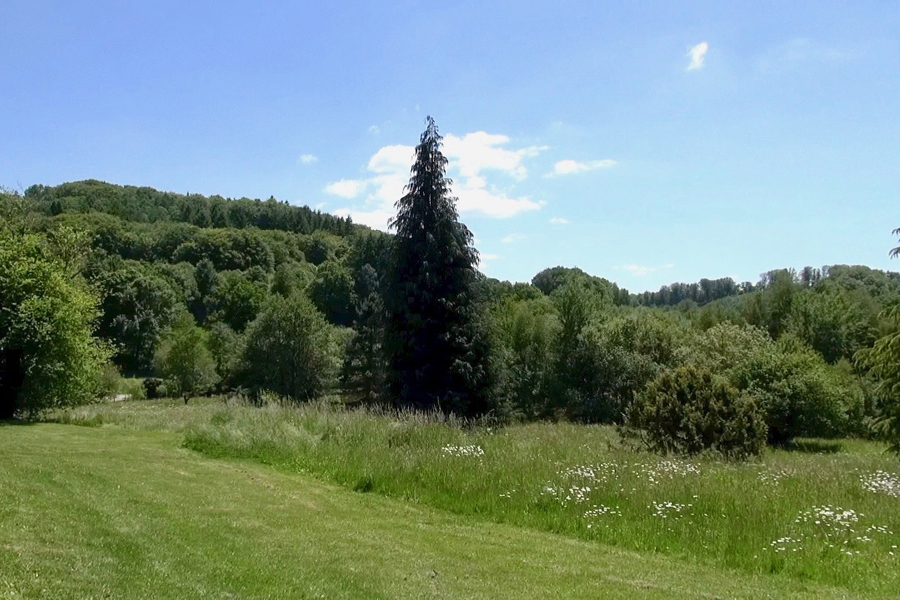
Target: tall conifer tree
{"points": [[436, 357]]}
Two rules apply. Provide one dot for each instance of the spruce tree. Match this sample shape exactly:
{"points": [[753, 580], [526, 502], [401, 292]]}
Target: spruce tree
{"points": [[436, 357], [363, 371]]}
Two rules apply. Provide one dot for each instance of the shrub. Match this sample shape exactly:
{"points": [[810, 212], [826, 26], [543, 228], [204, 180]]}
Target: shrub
{"points": [[794, 390], [290, 350], [614, 360], [153, 388], [48, 355], [688, 410], [799, 394], [184, 360]]}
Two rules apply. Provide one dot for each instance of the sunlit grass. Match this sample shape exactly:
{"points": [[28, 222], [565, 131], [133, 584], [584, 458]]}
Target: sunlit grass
{"points": [[117, 513], [582, 482]]}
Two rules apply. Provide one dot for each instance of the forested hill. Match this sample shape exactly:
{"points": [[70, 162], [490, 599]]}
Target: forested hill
{"points": [[881, 285], [147, 205]]}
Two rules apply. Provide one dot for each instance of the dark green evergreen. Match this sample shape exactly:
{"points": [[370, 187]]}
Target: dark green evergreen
{"points": [[363, 373], [437, 357]]}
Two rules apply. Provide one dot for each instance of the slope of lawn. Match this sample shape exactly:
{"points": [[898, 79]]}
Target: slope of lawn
{"points": [[112, 512], [826, 511]]}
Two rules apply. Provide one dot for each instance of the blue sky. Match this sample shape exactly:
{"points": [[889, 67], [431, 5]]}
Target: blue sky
{"points": [[644, 142]]}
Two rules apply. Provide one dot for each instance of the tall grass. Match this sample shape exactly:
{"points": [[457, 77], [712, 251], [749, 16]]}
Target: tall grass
{"points": [[811, 513]]}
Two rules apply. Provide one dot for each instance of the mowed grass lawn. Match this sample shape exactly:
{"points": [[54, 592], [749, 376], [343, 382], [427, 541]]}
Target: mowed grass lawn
{"points": [[112, 512]]}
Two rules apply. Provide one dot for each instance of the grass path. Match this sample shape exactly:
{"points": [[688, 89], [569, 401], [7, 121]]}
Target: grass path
{"points": [[115, 513]]}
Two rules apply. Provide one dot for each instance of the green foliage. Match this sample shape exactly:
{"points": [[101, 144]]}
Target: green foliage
{"points": [[292, 277], [137, 306], [793, 387], [236, 299], [438, 356], [688, 411], [227, 249], [364, 371], [48, 355], [147, 205], [332, 292], [883, 361], [833, 322], [550, 280], [799, 393], [614, 359], [289, 350], [183, 359], [701, 293], [770, 308], [524, 333], [722, 347], [322, 247], [225, 346]]}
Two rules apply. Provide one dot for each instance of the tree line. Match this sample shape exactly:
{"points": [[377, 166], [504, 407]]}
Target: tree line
{"points": [[202, 295]]}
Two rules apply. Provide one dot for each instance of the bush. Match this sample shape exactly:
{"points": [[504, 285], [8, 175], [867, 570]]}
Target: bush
{"points": [[290, 350], [797, 391], [49, 357], [133, 388], [794, 390], [153, 388], [614, 360], [184, 360], [688, 410], [110, 381]]}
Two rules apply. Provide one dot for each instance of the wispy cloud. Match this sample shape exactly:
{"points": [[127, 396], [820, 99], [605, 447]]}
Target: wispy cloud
{"points": [[641, 270], [308, 159], [571, 167], [478, 164], [698, 56], [559, 221], [513, 237], [373, 129], [484, 258]]}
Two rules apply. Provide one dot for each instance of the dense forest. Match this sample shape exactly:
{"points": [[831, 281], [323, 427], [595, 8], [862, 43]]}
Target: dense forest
{"points": [[197, 294]]}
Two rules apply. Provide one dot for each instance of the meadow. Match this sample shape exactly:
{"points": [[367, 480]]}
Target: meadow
{"points": [[821, 512]]}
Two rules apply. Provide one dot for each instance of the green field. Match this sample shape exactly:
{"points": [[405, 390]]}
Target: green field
{"points": [[132, 509]]}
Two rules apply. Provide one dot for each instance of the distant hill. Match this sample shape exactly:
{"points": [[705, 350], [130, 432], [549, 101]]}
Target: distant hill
{"points": [[147, 205]]}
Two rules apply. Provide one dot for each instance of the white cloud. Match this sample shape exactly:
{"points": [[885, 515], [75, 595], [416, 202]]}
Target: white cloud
{"points": [[513, 237], [486, 257], [491, 202], [480, 151], [392, 159], [374, 129], [473, 160], [559, 221], [346, 188], [308, 159], [641, 270], [571, 167], [698, 56], [376, 219]]}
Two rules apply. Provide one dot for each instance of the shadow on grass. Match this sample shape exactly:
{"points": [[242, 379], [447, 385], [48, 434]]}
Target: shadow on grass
{"points": [[814, 446], [16, 422]]}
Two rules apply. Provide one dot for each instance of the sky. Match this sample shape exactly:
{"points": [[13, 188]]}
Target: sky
{"points": [[646, 142]]}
